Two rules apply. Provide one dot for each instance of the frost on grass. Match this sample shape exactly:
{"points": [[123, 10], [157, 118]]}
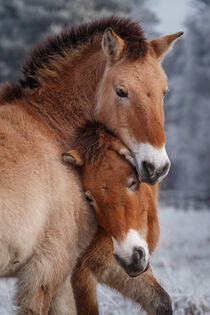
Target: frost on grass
{"points": [[7, 292], [181, 264]]}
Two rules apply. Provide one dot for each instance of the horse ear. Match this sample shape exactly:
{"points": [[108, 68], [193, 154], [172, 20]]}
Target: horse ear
{"points": [[161, 45], [73, 157], [113, 46], [117, 146]]}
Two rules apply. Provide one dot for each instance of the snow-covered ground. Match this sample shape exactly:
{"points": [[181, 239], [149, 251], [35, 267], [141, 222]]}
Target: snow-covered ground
{"points": [[182, 264]]}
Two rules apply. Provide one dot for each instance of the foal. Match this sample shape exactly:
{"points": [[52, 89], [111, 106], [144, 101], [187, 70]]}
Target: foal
{"points": [[128, 225]]}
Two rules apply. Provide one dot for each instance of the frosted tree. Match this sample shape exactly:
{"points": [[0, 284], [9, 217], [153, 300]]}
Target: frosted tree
{"points": [[189, 132], [141, 11]]}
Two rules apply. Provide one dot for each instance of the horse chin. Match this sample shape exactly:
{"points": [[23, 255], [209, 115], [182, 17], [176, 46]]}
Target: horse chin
{"points": [[136, 274]]}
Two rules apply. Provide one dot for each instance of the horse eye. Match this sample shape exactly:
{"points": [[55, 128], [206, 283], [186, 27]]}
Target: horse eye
{"points": [[165, 92], [133, 185], [121, 93]]}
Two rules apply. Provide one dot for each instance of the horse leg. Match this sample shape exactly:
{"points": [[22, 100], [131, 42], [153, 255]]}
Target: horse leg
{"points": [[144, 290], [39, 279], [63, 302], [84, 286], [98, 265]]}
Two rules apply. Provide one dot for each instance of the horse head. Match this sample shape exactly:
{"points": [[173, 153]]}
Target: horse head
{"points": [[130, 100], [124, 207]]}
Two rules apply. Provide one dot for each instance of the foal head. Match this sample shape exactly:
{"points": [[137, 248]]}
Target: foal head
{"points": [[124, 207], [130, 99]]}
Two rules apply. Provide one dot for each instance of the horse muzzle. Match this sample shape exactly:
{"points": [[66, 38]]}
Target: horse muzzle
{"points": [[152, 164], [151, 175], [138, 263]]}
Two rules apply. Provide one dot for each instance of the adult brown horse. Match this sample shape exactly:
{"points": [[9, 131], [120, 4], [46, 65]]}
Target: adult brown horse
{"points": [[127, 216], [104, 70], [107, 70]]}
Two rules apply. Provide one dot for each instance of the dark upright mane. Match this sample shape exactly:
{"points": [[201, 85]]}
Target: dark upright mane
{"points": [[73, 37], [89, 142]]}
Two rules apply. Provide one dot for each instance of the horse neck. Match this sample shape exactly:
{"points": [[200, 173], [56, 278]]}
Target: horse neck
{"points": [[67, 100]]}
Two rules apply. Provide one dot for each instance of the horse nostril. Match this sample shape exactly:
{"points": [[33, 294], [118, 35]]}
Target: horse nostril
{"points": [[141, 253], [149, 168], [165, 168], [138, 256]]}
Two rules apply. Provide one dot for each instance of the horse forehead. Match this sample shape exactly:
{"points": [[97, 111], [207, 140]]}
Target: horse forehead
{"points": [[140, 71], [112, 169], [149, 69], [116, 164]]}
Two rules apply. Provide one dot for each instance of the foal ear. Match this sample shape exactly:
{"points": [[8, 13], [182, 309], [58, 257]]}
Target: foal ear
{"points": [[73, 157], [117, 146], [113, 46], [161, 45]]}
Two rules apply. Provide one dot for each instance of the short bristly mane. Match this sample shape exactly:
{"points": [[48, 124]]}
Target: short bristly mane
{"points": [[89, 141], [74, 38]]}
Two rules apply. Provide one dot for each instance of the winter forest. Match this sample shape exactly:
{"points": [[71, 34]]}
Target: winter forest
{"points": [[183, 261]]}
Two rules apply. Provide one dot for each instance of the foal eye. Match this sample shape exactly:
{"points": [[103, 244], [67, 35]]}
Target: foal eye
{"points": [[89, 199], [133, 185], [121, 92]]}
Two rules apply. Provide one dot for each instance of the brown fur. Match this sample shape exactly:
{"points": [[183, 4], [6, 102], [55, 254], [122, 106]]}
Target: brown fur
{"points": [[89, 140], [65, 82], [104, 177], [86, 33], [43, 216], [43, 229], [97, 265], [73, 38]]}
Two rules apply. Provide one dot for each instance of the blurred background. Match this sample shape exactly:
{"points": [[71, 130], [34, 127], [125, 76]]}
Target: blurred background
{"points": [[183, 260]]}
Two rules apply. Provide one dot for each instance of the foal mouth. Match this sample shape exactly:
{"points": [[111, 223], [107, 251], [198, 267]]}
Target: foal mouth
{"points": [[132, 271], [136, 274]]}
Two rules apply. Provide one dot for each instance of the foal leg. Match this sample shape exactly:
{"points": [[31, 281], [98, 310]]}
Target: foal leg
{"points": [[84, 276], [63, 301], [84, 286], [98, 265], [144, 290]]}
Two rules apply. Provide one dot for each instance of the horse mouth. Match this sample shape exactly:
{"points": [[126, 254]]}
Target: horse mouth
{"points": [[136, 274], [131, 271]]}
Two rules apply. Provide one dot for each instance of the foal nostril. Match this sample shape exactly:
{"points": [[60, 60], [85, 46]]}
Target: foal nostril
{"points": [[149, 168], [138, 256], [141, 253]]}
